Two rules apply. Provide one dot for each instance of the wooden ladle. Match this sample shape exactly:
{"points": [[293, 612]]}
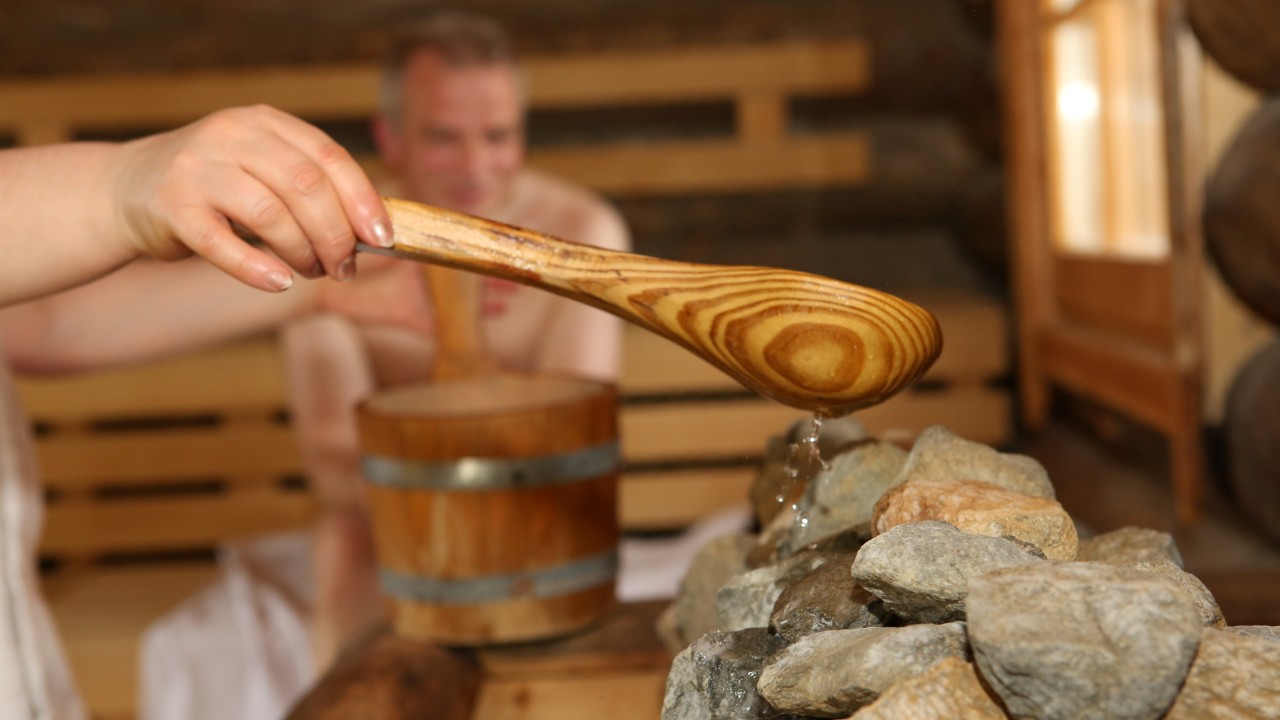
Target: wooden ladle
{"points": [[804, 340]]}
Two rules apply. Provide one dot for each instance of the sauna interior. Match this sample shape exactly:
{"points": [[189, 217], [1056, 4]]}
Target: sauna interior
{"points": [[1081, 191]]}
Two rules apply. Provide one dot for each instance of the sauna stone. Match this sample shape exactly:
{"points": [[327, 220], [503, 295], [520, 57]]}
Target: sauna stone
{"points": [[718, 561], [1233, 676], [1206, 605], [833, 673], [921, 571], [1262, 632], [845, 494], [747, 600], [1130, 544], [1082, 640], [778, 475], [982, 509], [715, 678], [827, 598], [940, 455], [949, 690]]}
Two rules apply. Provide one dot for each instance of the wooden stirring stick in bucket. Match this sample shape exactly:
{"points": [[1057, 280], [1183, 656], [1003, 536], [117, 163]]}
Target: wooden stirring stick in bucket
{"points": [[461, 351], [803, 340]]}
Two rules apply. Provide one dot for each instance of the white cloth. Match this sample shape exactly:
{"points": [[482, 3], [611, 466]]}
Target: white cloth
{"points": [[35, 681], [240, 649]]}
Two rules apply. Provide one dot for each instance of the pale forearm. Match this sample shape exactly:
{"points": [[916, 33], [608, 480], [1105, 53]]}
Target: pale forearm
{"points": [[71, 213], [57, 219]]}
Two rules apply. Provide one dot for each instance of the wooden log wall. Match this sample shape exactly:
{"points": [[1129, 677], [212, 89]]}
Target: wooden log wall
{"points": [[1240, 227]]}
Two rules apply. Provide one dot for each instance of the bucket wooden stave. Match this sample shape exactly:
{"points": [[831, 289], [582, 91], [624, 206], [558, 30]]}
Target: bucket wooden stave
{"points": [[494, 504]]}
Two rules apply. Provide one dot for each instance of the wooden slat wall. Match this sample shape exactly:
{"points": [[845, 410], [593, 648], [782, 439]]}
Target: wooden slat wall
{"points": [[759, 80], [687, 431]]}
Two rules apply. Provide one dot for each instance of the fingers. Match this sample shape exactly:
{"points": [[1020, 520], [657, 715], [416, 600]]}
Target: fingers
{"points": [[210, 236], [280, 179], [295, 209], [360, 201]]}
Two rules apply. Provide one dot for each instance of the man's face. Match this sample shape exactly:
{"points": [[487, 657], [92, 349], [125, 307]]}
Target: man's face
{"points": [[460, 140]]}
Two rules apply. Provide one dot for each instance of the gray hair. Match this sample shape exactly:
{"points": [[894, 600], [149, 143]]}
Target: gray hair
{"points": [[461, 39]]}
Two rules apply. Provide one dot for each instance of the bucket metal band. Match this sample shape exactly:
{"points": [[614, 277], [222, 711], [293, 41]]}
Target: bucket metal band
{"points": [[493, 473], [551, 582]]}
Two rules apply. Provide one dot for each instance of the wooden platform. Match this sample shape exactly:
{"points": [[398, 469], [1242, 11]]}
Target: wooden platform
{"points": [[616, 668]]}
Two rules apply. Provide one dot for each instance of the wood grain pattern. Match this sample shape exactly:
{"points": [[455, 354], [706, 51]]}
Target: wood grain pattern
{"points": [[466, 537], [803, 340], [461, 351]]}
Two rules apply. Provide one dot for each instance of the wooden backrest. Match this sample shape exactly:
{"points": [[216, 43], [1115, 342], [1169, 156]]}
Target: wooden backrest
{"points": [[760, 81], [181, 454]]}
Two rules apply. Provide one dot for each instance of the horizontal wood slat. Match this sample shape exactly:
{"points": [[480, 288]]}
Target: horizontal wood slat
{"points": [[810, 68], [673, 499], [692, 166], [245, 450], [740, 428], [105, 102], [1132, 378], [163, 523], [1132, 299], [714, 429]]}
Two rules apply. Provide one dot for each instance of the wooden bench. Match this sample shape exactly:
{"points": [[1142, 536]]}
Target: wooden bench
{"points": [[148, 468]]}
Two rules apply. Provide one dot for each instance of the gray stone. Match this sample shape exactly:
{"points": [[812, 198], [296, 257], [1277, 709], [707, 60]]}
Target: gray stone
{"points": [[826, 598], [1233, 676], [844, 495], [715, 678], [1262, 632], [833, 673], [1082, 640], [1130, 544], [747, 600], [939, 455], [1206, 605], [713, 566], [781, 477], [950, 690], [921, 571]]}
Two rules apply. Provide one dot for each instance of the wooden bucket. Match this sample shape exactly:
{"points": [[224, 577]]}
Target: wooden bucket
{"points": [[494, 505]]}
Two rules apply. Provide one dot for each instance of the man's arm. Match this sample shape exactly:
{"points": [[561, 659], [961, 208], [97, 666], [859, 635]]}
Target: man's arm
{"points": [[75, 212], [148, 310]]}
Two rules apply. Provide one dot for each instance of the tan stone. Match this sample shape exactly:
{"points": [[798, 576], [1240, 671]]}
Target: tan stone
{"points": [[1233, 676], [948, 690], [982, 509]]}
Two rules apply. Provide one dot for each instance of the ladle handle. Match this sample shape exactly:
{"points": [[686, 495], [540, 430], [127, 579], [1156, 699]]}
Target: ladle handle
{"points": [[804, 340]]}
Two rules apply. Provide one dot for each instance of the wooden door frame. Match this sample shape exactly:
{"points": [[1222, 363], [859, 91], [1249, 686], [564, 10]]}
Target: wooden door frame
{"points": [[1155, 374]]}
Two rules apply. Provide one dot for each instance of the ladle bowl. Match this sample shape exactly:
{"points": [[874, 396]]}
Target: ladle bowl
{"points": [[804, 340]]}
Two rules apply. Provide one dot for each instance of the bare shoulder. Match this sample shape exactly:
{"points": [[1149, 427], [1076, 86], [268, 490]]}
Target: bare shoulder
{"points": [[558, 207]]}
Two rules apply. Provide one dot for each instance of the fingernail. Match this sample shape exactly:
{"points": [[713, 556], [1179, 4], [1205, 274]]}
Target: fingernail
{"points": [[382, 233], [346, 270], [280, 280]]}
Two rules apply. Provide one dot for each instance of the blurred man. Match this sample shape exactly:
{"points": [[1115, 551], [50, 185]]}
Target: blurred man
{"points": [[452, 133]]}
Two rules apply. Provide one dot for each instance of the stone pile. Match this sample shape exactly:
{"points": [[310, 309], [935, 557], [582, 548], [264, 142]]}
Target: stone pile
{"points": [[948, 583]]}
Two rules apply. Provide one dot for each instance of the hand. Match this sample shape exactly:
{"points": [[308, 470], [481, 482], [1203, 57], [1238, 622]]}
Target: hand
{"points": [[262, 170]]}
